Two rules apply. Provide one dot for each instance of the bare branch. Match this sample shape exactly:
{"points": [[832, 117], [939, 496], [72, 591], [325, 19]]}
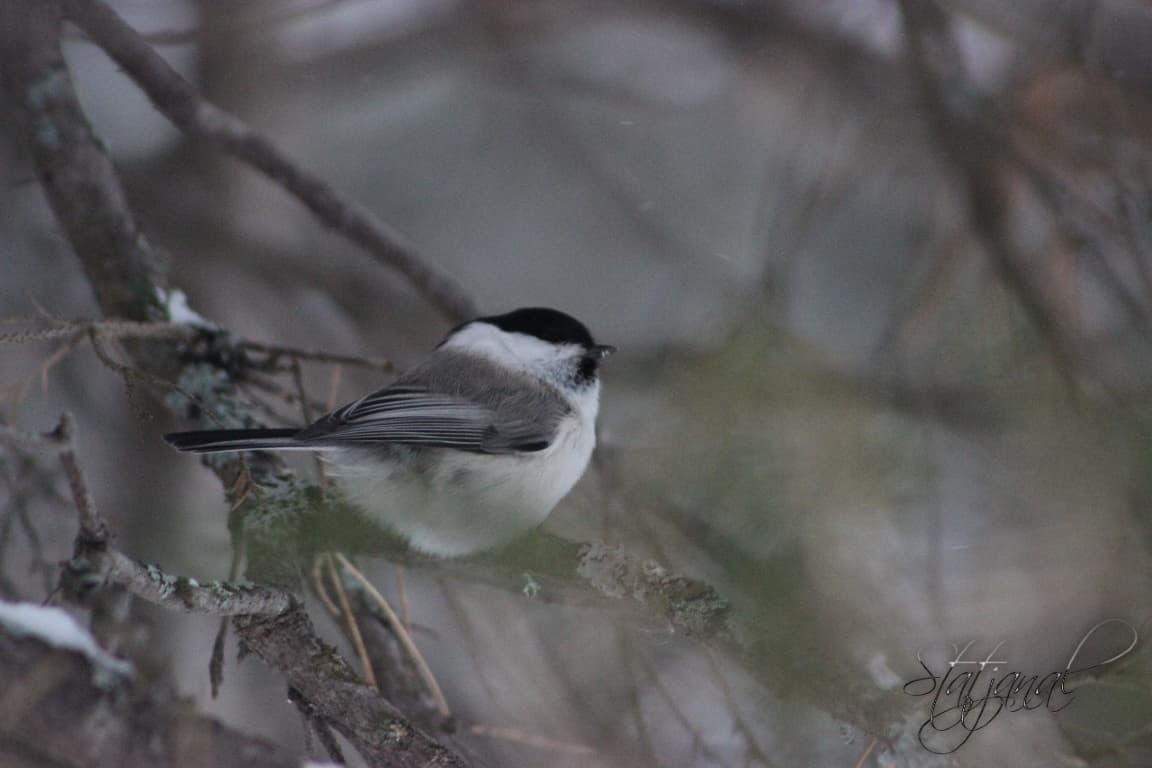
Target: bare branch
{"points": [[271, 622], [1111, 38], [378, 730], [214, 598], [73, 167], [178, 100], [320, 356], [975, 155], [127, 329], [93, 528], [640, 591], [113, 329]]}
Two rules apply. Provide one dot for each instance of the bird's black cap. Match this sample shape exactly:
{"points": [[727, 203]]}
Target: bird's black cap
{"points": [[547, 324]]}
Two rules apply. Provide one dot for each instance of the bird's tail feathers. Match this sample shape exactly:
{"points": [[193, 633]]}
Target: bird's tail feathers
{"points": [[221, 440]]}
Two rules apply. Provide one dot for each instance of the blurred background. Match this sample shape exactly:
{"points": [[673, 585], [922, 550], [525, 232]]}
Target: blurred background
{"points": [[881, 277]]}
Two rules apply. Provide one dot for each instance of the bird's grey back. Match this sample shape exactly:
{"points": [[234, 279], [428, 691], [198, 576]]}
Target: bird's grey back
{"points": [[453, 399], [520, 401]]}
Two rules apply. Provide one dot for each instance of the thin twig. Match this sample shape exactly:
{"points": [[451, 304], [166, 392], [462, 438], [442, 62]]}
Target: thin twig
{"points": [[245, 25], [864, 757], [305, 409], [334, 379], [42, 334], [318, 584], [403, 596], [178, 100], [254, 394], [216, 662], [320, 356], [301, 392], [132, 374], [93, 528], [55, 359], [675, 704], [628, 656], [112, 329], [751, 746], [353, 627], [974, 152], [62, 328], [405, 638]]}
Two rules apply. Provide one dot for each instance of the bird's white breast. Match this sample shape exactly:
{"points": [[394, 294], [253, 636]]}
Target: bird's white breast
{"points": [[451, 503]]}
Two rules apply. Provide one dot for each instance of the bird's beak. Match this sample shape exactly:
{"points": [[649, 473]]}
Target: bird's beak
{"points": [[600, 351]]}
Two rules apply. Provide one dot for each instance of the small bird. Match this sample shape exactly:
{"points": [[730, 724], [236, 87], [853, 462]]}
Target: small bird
{"points": [[468, 449]]}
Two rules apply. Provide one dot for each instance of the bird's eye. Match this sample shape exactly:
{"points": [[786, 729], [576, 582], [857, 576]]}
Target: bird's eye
{"points": [[586, 370]]}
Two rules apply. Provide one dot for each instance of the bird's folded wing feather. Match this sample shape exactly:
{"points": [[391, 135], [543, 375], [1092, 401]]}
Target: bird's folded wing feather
{"points": [[409, 415]]}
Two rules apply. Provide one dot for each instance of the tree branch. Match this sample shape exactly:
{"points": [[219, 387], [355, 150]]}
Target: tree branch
{"points": [[976, 155], [179, 102], [270, 622], [77, 176]]}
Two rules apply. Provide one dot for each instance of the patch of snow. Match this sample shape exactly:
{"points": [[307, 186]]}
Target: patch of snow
{"points": [[57, 628], [881, 673], [176, 304]]}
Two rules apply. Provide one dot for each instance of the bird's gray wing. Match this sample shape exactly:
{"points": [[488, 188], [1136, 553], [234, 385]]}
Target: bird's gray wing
{"points": [[416, 415]]}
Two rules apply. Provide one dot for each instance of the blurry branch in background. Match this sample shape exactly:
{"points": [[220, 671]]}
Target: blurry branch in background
{"points": [[1108, 37], [1050, 175], [178, 100], [26, 480], [553, 124], [273, 17], [121, 265], [976, 155]]}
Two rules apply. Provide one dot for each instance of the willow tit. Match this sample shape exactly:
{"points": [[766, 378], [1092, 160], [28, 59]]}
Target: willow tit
{"points": [[468, 449]]}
